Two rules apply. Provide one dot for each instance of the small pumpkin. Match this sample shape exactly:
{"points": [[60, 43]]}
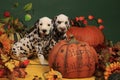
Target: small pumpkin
{"points": [[73, 59], [88, 33]]}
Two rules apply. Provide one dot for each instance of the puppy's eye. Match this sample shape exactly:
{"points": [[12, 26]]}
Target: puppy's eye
{"points": [[41, 24], [48, 24], [66, 22], [59, 22]]}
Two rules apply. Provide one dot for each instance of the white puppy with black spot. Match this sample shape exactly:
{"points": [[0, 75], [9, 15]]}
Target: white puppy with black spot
{"points": [[35, 41], [61, 25]]}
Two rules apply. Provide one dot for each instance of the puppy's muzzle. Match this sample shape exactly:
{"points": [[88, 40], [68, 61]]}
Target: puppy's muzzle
{"points": [[44, 31], [63, 29]]}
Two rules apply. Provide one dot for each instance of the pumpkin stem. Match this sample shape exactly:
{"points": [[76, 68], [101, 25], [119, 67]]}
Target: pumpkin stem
{"points": [[72, 40]]}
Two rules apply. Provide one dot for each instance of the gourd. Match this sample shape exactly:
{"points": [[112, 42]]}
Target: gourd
{"points": [[73, 59], [82, 31]]}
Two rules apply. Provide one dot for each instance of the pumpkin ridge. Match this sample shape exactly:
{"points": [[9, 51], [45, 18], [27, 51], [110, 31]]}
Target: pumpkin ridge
{"points": [[73, 60], [89, 65], [66, 63], [96, 56], [79, 58], [54, 61]]}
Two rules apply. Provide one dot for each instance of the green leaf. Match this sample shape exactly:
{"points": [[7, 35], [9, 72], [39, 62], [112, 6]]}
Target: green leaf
{"points": [[28, 7], [1, 24], [5, 20]]}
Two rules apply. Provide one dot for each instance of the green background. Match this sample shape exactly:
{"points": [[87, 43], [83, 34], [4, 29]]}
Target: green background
{"points": [[108, 10]]}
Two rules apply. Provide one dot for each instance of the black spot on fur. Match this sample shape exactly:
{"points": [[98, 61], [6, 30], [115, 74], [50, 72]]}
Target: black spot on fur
{"points": [[28, 46], [13, 49], [35, 32], [33, 39], [33, 47], [25, 51], [23, 44], [21, 48], [39, 44], [30, 40]]}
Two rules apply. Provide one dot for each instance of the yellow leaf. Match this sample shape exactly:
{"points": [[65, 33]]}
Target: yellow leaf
{"points": [[16, 21], [4, 57], [10, 65]]}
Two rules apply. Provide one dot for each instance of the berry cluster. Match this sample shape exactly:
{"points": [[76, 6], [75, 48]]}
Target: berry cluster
{"points": [[83, 21]]}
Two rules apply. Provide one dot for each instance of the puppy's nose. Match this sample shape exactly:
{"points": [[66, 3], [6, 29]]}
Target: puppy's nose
{"points": [[44, 31], [62, 29]]}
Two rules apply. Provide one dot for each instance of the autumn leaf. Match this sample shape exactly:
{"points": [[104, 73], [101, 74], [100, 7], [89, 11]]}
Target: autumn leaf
{"points": [[28, 7], [5, 20]]}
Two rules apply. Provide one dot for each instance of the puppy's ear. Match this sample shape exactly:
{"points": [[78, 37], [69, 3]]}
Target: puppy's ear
{"points": [[54, 19], [52, 27], [34, 26], [70, 22]]}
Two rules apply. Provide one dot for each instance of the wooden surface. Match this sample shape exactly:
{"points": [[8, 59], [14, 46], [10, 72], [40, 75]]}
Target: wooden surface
{"points": [[35, 69]]}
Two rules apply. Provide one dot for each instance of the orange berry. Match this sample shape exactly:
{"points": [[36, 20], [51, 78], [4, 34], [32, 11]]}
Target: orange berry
{"points": [[101, 27], [90, 17], [100, 21], [77, 19], [85, 22], [81, 18]]}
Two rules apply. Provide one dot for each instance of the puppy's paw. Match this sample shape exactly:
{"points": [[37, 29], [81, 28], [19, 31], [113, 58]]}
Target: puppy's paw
{"points": [[42, 60]]}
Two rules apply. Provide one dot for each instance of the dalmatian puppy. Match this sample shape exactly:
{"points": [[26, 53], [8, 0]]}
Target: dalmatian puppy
{"points": [[61, 25], [35, 41]]}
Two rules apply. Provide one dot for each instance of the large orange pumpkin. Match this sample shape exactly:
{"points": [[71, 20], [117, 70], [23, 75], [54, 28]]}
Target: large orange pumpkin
{"points": [[84, 32], [73, 59], [89, 34]]}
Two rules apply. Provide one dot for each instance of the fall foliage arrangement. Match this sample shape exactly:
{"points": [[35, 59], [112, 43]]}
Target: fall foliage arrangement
{"points": [[86, 53]]}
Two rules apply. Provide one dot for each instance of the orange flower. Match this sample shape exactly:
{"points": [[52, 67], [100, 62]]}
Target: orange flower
{"points": [[113, 67]]}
